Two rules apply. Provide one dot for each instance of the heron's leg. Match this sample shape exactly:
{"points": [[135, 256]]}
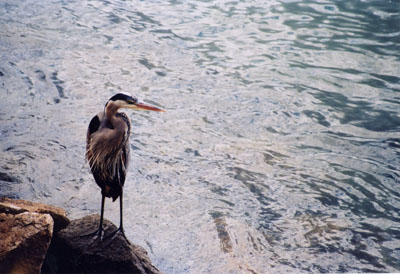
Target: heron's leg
{"points": [[121, 228], [120, 213], [100, 230], [99, 233]]}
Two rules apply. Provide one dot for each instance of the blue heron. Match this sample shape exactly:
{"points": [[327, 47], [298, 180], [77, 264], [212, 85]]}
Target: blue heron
{"points": [[107, 151]]}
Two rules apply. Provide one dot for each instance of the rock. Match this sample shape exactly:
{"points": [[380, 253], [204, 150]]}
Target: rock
{"points": [[24, 240], [70, 252], [18, 206]]}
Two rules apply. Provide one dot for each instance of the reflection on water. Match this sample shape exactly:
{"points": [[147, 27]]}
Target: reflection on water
{"points": [[279, 150]]}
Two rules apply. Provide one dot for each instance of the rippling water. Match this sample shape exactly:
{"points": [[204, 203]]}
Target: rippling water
{"points": [[279, 150]]}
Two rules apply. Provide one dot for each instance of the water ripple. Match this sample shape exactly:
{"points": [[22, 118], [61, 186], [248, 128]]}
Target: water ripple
{"points": [[279, 150]]}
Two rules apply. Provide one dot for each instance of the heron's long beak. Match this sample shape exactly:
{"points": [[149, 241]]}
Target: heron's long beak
{"points": [[142, 106]]}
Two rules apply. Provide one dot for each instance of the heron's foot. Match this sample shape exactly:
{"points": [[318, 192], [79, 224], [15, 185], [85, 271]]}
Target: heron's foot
{"points": [[97, 232], [110, 237], [95, 236]]}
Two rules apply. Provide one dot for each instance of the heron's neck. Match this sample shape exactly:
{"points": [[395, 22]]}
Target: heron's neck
{"points": [[115, 122], [110, 110]]}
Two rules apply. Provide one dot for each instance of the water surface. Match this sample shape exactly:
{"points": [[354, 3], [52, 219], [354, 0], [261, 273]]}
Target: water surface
{"points": [[279, 150]]}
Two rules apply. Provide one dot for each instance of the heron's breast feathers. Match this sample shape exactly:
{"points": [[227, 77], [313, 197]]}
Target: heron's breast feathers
{"points": [[107, 147], [103, 155]]}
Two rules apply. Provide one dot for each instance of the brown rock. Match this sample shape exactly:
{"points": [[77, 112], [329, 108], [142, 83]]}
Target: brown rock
{"points": [[70, 252], [59, 216], [24, 240]]}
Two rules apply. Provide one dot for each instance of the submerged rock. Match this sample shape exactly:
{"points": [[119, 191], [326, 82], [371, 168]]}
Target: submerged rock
{"points": [[70, 252], [24, 240]]}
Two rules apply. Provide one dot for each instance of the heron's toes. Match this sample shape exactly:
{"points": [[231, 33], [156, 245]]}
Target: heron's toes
{"points": [[108, 239], [95, 237]]}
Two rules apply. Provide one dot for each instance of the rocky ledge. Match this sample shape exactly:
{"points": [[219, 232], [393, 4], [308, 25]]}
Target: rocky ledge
{"points": [[71, 252], [38, 238]]}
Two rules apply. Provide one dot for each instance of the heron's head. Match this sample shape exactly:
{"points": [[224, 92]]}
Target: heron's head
{"points": [[121, 100]]}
